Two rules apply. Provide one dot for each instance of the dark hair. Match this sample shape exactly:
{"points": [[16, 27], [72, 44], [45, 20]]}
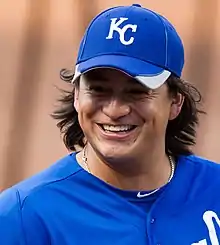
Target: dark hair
{"points": [[180, 133]]}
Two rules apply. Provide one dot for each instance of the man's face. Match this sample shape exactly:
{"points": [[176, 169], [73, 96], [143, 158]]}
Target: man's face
{"points": [[121, 118]]}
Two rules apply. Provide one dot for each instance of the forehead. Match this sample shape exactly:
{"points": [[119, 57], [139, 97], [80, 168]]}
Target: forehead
{"points": [[108, 74]]}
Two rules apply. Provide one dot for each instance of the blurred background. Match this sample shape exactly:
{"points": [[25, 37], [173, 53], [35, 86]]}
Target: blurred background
{"points": [[40, 37]]}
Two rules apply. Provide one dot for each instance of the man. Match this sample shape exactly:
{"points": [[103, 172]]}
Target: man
{"points": [[136, 180]]}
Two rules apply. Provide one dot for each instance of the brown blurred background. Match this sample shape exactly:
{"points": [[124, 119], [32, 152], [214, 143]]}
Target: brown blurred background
{"points": [[39, 37]]}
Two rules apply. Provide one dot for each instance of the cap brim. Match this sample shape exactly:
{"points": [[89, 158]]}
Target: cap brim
{"points": [[146, 73]]}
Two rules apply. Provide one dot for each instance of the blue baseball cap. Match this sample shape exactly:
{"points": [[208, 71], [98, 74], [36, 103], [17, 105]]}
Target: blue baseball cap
{"points": [[135, 40]]}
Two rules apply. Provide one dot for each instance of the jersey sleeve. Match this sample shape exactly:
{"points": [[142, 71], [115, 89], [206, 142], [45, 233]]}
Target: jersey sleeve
{"points": [[11, 229]]}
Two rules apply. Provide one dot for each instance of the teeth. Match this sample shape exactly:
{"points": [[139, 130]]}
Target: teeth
{"points": [[117, 128]]}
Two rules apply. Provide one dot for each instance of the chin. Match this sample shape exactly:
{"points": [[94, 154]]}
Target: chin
{"points": [[115, 153]]}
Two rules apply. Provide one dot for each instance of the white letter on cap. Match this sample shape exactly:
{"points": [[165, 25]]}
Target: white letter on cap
{"points": [[121, 31]]}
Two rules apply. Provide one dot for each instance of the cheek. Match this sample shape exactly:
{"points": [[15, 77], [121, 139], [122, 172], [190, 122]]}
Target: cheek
{"points": [[147, 110], [87, 108], [154, 112]]}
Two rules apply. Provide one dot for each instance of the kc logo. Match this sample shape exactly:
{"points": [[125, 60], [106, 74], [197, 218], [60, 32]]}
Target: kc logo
{"points": [[115, 26]]}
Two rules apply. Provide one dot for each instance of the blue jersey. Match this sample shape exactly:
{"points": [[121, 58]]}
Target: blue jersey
{"points": [[65, 205]]}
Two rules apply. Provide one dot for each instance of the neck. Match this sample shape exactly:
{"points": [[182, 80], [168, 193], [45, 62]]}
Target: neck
{"points": [[134, 175]]}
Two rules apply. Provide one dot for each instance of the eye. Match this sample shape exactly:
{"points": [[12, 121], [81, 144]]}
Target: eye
{"points": [[137, 91], [140, 93], [98, 89]]}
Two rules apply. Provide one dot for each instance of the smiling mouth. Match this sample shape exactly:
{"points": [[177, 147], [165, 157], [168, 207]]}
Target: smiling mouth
{"points": [[117, 128]]}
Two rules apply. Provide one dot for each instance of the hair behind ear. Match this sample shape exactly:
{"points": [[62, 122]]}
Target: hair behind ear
{"points": [[181, 131], [67, 116]]}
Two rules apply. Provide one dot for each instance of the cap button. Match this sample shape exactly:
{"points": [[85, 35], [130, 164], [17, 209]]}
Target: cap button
{"points": [[136, 5]]}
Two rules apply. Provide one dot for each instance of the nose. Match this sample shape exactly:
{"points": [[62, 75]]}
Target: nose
{"points": [[116, 109]]}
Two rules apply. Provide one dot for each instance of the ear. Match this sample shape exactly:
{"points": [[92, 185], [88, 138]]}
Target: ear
{"points": [[76, 98], [176, 106]]}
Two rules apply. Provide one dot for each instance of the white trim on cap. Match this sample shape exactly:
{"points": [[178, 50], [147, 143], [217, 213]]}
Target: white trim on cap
{"points": [[154, 82], [76, 74], [151, 82]]}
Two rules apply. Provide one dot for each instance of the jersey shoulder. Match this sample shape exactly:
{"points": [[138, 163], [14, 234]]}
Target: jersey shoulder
{"points": [[204, 169], [57, 172], [19, 221], [202, 162]]}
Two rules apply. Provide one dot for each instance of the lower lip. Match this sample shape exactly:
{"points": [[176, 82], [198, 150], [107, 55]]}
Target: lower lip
{"points": [[116, 135]]}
